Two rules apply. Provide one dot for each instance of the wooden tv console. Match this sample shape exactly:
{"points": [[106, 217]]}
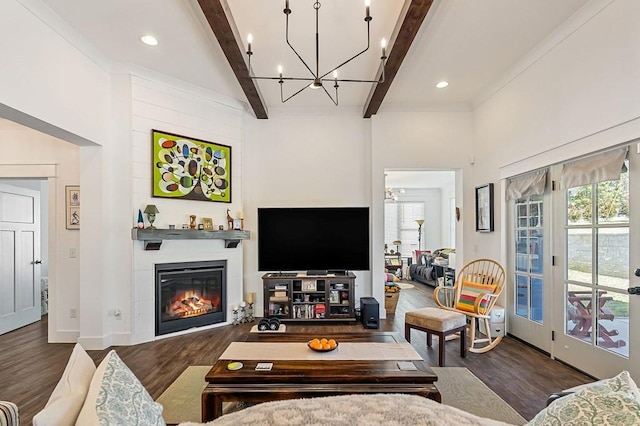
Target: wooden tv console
{"points": [[300, 297]]}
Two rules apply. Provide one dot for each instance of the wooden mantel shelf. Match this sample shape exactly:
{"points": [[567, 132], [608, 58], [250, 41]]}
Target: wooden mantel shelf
{"points": [[152, 238]]}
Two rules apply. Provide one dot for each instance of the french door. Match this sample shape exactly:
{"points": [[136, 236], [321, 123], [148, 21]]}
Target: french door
{"points": [[529, 295], [596, 253]]}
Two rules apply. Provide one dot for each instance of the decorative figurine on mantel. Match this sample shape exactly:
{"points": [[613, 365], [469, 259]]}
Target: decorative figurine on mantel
{"points": [[140, 220], [151, 211], [229, 220], [192, 221]]}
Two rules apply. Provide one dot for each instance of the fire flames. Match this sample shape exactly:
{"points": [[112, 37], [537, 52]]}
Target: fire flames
{"points": [[190, 304]]}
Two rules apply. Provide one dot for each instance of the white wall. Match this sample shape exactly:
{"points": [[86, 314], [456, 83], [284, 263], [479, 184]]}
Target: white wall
{"points": [[448, 194], [174, 107], [578, 94], [46, 80], [299, 160]]}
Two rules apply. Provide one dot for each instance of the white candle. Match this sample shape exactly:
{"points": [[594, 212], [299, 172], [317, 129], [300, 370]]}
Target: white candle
{"points": [[250, 297], [243, 304], [234, 307]]}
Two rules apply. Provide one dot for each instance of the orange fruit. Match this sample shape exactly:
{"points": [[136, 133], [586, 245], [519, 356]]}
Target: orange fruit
{"points": [[332, 343], [323, 340], [315, 345], [326, 346], [315, 341]]}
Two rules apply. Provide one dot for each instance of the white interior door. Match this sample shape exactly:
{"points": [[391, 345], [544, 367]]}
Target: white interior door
{"points": [[597, 238], [19, 257]]}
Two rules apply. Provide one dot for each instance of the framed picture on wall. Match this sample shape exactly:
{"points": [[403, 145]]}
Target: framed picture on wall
{"points": [[484, 208], [186, 168], [72, 206]]}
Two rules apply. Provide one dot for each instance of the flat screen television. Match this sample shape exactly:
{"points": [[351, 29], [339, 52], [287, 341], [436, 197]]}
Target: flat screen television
{"points": [[313, 239]]}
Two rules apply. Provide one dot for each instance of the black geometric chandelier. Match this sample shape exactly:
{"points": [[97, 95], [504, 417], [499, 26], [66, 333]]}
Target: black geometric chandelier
{"points": [[316, 79]]}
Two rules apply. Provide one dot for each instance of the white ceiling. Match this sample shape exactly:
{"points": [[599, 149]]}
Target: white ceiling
{"points": [[470, 43]]}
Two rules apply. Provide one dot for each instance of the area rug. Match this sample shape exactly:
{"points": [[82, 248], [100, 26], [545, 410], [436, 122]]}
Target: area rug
{"points": [[458, 386], [405, 286]]}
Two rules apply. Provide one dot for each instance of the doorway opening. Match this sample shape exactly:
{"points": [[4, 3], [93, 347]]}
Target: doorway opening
{"points": [[419, 216]]}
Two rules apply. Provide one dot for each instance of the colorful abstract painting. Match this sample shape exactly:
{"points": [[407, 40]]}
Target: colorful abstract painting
{"points": [[190, 169]]}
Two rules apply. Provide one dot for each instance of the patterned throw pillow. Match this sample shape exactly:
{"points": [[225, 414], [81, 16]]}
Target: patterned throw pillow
{"points": [[116, 397], [470, 292], [606, 404], [390, 278], [620, 383]]}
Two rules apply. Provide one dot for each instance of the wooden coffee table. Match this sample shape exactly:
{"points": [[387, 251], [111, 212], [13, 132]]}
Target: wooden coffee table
{"points": [[290, 379]]}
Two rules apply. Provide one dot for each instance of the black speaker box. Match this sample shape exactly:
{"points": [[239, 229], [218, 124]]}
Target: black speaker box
{"points": [[370, 311]]}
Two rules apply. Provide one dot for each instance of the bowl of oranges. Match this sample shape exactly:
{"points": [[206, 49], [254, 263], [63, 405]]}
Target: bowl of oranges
{"points": [[322, 345]]}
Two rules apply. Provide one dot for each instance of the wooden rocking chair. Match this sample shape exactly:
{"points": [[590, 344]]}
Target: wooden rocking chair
{"points": [[474, 293]]}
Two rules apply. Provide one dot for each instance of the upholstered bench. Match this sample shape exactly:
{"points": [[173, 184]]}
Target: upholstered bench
{"points": [[439, 322]]}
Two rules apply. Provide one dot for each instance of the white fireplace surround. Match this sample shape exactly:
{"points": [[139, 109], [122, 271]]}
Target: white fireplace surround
{"points": [[172, 251]]}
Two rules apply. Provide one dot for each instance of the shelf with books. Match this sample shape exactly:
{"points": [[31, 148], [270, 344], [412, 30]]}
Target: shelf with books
{"points": [[310, 298]]}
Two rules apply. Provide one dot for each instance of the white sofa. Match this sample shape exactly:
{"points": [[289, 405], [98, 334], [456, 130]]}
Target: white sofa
{"points": [[111, 395]]}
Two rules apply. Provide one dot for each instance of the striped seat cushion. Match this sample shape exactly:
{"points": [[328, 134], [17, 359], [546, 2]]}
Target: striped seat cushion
{"points": [[472, 293], [8, 414]]}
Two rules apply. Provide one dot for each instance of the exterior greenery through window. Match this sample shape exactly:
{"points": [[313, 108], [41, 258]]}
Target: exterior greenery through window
{"points": [[597, 274]]}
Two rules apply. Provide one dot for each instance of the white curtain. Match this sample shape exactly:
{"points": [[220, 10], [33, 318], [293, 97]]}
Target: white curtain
{"points": [[526, 185], [596, 168]]}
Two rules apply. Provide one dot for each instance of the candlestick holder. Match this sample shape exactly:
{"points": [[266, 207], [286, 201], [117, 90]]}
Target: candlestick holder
{"points": [[235, 316], [243, 317], [250, 317]]}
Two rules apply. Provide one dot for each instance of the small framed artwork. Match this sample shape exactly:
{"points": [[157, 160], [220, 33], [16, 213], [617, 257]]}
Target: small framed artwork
{"points": [[308, 285], [484, 208], [72, 206], [208, 223]]}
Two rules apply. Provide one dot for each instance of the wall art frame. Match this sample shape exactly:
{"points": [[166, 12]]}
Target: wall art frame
{"points": [[72, 206], [187, 168], [484, 208]]}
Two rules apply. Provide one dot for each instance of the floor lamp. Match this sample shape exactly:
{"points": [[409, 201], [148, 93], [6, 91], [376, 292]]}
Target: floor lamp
{"points": [[419, 222]]}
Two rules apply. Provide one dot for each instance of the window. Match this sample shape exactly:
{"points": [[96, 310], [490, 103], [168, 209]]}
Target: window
{"points": [[400, 225]]}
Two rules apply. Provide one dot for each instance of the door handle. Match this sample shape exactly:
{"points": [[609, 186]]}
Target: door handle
{"points": [[36, 262], [637, 272], [633, 290]]}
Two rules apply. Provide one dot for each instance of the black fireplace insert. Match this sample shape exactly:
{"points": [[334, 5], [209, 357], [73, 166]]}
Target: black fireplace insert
{"points": [[190, 294]]}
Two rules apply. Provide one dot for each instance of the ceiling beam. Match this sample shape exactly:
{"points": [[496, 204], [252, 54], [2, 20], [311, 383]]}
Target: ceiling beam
{"points": [[409, 22], [224, 28]]}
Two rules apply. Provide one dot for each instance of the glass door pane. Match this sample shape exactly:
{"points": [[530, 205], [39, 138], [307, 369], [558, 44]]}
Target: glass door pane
{"points": [[528, 248], [597, 269]]}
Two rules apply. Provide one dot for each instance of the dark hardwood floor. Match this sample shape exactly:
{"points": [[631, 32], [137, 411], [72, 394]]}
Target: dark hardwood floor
{"points": [[30, 367]]}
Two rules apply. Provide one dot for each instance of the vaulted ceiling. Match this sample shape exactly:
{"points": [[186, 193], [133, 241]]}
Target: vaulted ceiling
{"points": [[469, 43]]}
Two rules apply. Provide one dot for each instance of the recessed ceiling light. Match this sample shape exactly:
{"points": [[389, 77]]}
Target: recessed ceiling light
{"points": [[149, 39], [442, 84]]}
